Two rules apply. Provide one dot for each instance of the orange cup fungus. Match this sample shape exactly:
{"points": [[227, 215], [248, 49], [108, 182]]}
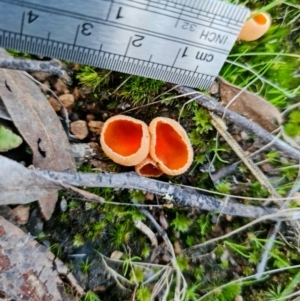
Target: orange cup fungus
{"points": [[255, 27], [170, 146], [125, 140], [148, 168]]}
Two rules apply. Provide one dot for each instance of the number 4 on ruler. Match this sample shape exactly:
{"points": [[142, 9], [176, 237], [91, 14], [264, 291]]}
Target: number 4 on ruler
{"points": [[32, 17]]}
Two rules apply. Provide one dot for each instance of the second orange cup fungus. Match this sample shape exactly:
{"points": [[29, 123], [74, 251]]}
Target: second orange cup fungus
{"points": [[170, 146], [255, 27], [125, 140]]}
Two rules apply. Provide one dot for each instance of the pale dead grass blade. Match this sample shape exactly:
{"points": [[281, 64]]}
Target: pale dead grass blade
{"points": [[220, 125]]}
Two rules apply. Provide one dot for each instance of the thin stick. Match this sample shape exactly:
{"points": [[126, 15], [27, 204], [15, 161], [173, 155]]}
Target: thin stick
{"points": [[50, 67], [180, 196]]}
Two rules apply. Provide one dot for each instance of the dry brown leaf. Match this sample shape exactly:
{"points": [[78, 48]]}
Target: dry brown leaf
{"points": [[250, 105], [3, 112], [19, 185], [27, 270], [38, 124]]}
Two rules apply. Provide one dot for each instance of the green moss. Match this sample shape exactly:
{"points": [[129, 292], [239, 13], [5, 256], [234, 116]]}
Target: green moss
{"points": [[78, 240], [85, 266], [139, 90], [223, 187], [143, 293], [204, 223], [89, 77], [146, 250], [137, 274], [292, 127], [181, 222]]}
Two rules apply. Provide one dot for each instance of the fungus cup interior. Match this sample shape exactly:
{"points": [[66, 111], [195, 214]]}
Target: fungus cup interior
{"points": [[260, 19], [124, 137], [148, 168], [169, 147]]}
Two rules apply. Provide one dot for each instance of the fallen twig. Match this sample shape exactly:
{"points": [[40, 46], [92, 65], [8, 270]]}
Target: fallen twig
{"points": [[31, 65], [180, 196], [213, 106]]}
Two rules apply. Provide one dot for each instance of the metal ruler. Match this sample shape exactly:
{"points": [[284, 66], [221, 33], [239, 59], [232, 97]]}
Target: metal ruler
{"points": [[180, 41]]}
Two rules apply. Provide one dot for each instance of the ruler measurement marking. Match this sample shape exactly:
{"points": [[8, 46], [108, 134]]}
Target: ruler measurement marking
{"points": [[166, 4], [85, 18], [176, 57], [36, 6], [202, 46], [22, 23], [98, 20], [76, 35], [128, 46], [195, 21], [69, 48], [109, 10], [166, 37], [202, 35]]}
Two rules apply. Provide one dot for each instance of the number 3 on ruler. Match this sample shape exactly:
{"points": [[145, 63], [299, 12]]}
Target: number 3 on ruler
{"points": [[85, 28]]}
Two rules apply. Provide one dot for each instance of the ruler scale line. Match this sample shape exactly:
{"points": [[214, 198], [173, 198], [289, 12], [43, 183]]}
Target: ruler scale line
{"points": [[185, 36]]}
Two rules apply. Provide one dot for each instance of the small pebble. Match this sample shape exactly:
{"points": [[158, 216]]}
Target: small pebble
{"points": [[21, 214], [116, 255], [163, 221], [76, 93], [67, 100], [165, 258], [228, 217], [63, 204], [177, 247], [95, 126], [54, 104], [149, 196], [40, 75], [87, 206], [60, 87], [79, 129]]}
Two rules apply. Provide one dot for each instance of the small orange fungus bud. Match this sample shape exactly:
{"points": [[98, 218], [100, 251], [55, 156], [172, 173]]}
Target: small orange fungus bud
{"points": [[125, 140], [170, 146], [255, 27], [148, 168]]}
